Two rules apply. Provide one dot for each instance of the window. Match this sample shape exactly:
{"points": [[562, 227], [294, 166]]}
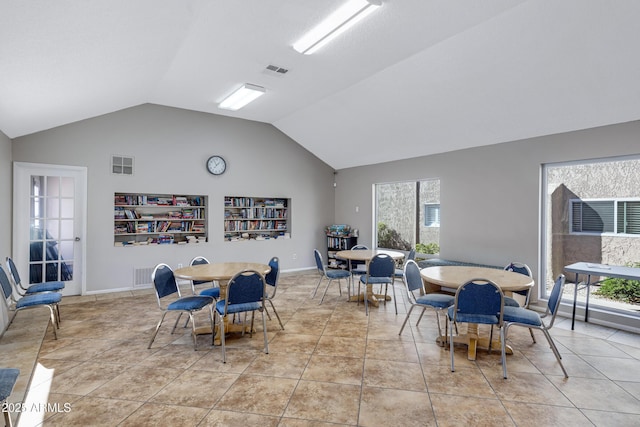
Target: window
{"points": [[605, 216], [591, 213], [432, 215], [408, 214]]}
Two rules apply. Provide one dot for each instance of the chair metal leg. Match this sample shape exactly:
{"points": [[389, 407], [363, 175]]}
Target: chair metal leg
{"points": [[393, 288], [193, 332], [221, 332], [54, 322], [317, 286], [406, 319], [175, 325], [153, 337], [503, 354], [325, 291], [555, 351], [421, 314], [275, 312], [7, 416], [532, 337], [264, 332], [451, 344]]}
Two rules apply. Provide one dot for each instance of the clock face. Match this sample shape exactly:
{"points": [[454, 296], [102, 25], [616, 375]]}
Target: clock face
{"points": [[216, 165]]}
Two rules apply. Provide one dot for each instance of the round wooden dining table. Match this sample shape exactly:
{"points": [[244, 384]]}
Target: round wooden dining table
{"points": [[221, 272], [450, 278], [366, 255]]}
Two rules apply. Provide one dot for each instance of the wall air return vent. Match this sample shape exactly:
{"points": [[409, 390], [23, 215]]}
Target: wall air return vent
{"points": [[121, 165]]}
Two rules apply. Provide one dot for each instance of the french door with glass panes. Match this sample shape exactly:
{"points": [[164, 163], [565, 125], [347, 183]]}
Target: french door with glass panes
{"points": [[48, 243]]}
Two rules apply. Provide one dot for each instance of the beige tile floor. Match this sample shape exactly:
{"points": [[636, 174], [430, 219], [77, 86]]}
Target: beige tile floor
{"points": [[332, 365]]}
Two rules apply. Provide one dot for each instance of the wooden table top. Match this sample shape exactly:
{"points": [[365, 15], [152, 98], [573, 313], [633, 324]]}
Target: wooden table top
{"points": [[455, 276], [367, 254], [218, 270]]}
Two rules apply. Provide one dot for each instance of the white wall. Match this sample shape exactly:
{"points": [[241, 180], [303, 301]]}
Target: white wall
{"points": [[490, 196], [170, 147], [6, 199]]}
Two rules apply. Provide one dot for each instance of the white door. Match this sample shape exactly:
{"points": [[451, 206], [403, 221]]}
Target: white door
{"points": [[48, 242]]}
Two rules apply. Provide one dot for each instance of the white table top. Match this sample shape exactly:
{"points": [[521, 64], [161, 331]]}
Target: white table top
{"points": [[367, 254], [594, 269], [454, 276]]}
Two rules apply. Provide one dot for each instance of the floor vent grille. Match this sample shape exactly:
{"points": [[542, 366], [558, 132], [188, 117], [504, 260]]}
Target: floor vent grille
{"points": [[142, 276]]}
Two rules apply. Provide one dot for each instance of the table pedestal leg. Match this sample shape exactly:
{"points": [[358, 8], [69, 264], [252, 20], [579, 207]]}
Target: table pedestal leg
{"points": [[474, 341]]}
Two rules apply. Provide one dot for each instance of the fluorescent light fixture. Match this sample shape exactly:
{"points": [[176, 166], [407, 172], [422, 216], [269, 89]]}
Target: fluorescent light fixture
{"points": [[241, 97], [337, 23]]}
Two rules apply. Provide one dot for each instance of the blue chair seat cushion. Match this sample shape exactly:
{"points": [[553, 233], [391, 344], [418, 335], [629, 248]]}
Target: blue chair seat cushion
{"points": [[522, 315], [190, 303], [510, 302], [211, 292], [237, 308], [39, 299], [8, 377], [45, 287], [485, 319], [436, 300], [337, 274], [376, 280]]}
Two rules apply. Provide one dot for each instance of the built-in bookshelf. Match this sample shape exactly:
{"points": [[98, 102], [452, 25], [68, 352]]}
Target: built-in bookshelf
{"points": [[150, 219], [256, 218]]}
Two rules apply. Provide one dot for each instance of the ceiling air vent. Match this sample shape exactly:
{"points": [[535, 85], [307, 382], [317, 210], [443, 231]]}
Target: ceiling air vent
{"points": [[274, 70]]}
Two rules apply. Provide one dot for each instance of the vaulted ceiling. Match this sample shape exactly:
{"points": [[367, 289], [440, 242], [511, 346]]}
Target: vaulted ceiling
{"points": [[416, 77]]}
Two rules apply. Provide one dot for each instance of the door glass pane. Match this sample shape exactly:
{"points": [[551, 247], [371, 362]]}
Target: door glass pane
{"points": [[51, 238], [53, 186], [66, 229]]}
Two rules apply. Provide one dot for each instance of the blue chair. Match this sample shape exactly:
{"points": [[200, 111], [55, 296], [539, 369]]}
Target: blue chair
{"points": [[329, 274], [518, 267], [519, 316], [8, 378], [36, 288], [166, 288], [45, 299], [380, 271], [271, 280], [399, 274], [436, 300], [478, 301], [213, 291], [245, 292]]}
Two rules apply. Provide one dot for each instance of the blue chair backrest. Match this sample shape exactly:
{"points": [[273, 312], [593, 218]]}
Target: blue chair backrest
{"points": [[522, 269], [272, 277], [479, 296], [412, 276], [556, 295], [14, 270], [164, 281], [412, 255], [246, 286], [199, 261], [382, 265], [319, 263], [6, 285]]}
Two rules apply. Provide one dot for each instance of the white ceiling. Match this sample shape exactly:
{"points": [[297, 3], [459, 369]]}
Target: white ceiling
{"points": [[417, 77]]}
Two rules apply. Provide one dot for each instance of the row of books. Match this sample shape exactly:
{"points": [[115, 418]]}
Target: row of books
{"points": [[338, 243], [256, 213], [122, 213], [158, 227], [252, 201], [144, 199], [254, 225]]}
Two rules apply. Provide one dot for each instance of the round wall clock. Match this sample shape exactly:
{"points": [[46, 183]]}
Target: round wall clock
{"points": [[216, 165]]}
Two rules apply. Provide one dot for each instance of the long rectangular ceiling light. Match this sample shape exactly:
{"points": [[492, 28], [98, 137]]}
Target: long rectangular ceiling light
{"points": [[241, 97], [337, 23]]}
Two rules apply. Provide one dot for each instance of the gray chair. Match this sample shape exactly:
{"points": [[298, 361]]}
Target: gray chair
{"points": [[45, 299], [478, 301], [519, 316], [170, 300], [8, 378], [35, 288], [271, 279], [329, 274], [245, 293], [380, 271], [437, 301]]}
